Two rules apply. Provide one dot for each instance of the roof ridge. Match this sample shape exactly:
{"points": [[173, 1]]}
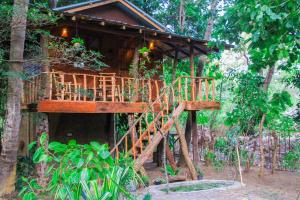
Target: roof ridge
{"points": [[124, 2]]}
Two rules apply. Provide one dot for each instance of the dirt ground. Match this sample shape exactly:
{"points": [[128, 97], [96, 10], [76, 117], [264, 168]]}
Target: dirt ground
{"points": [[282, 185]]}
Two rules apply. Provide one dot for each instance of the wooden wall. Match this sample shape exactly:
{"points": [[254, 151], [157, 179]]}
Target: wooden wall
{"points": [[113, 12], [84, 128]]}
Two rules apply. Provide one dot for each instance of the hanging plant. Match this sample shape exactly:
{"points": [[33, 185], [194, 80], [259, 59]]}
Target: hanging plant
{"points": [[77, 42], [144, 51]]}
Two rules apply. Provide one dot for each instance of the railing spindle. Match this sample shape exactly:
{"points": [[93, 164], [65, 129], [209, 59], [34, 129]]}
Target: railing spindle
{"points": [[85, 87], [206, 89], [179, 89], [200, 89], [157, 89], [123, 91], [140, 133], [150, 90], [213, 90], [113, 89], [95, 88], [186, 89], [104, 88]]}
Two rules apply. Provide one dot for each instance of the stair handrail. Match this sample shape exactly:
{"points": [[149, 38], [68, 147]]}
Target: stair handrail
{"points": [[150, 106]]}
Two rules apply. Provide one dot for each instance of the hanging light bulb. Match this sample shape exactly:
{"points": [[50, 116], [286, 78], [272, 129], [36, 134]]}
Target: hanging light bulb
{"points": [[151, 45], [64, 32]]}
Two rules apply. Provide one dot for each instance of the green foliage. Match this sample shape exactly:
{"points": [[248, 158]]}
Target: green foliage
{"points": [[199, 171], [272, 31], [221, 145], [75, 54], [170, 170], [79, 171], [77, 40], [249, 100], [291, 160], [147, 197]]}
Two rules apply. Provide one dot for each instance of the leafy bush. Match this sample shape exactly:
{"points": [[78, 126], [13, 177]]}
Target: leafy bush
{"points": [[170, 170], [291, 160], [221, 145], [77, 171]]}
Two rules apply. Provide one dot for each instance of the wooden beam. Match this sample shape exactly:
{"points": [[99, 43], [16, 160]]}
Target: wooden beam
{"points": [[192, 66], [203, 105], [185, 151], [93, 107], [134, 32]]}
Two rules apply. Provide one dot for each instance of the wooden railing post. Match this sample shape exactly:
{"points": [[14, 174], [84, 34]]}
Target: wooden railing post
{"points": [[95, 88], [200, 89], [213, 90], [113, 89], [51, 85], [85, 87], [186, 89], [206, 89], [150, 90], [122, 89]]}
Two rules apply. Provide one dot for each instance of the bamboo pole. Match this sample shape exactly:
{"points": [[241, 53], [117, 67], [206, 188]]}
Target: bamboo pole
{"points": [[239, 163]]}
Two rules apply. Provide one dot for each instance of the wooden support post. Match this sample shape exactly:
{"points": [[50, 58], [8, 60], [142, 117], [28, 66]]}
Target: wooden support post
{"points": [[175, 62], [192, 65], [185, 151]]}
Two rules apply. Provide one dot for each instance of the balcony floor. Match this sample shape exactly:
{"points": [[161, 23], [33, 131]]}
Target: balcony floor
{"points": [[55, 106]]}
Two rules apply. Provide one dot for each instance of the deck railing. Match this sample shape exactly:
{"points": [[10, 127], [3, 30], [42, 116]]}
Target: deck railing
{"points": [[110, 88]]}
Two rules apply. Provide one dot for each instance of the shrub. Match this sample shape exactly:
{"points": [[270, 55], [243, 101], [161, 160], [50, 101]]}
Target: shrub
{"points": [[77, 171], [291, 160]]}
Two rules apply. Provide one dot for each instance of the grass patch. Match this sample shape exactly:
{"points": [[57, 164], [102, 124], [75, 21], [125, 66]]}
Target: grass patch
{"points": [[196, 187]]}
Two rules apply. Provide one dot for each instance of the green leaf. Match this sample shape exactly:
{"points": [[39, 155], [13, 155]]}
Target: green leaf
{"points": [[31, 145], [96, 146]]}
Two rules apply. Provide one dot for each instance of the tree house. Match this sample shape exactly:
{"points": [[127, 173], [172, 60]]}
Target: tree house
{"points": [[80, 103]]}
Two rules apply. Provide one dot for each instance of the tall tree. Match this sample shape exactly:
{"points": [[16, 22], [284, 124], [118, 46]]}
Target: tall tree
{"points": [[10, 138], [270, 31], [199, 71]]}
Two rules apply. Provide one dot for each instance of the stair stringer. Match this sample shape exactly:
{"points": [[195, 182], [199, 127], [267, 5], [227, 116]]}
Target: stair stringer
{"points": [[146, 153]]}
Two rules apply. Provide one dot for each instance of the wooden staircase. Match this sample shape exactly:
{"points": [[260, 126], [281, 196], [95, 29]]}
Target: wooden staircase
{"points": [[146, 132], [150, 127]]}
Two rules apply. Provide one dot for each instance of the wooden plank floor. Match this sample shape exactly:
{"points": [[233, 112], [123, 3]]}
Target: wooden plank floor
{"points": [[109, 107]]}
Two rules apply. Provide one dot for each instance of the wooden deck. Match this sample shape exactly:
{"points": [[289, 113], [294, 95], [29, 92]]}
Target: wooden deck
{"points": [[86, 93], [112, 107]]}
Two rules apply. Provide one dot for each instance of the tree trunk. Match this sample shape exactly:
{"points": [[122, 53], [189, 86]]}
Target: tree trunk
{"points": [[211, 19], [188, 137], [196, 156], [250, 158], [10, 138], [261, 125], [181, 16], [274, 151], [261, 146], [53, 4], [185, 151], [134, 72]]}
